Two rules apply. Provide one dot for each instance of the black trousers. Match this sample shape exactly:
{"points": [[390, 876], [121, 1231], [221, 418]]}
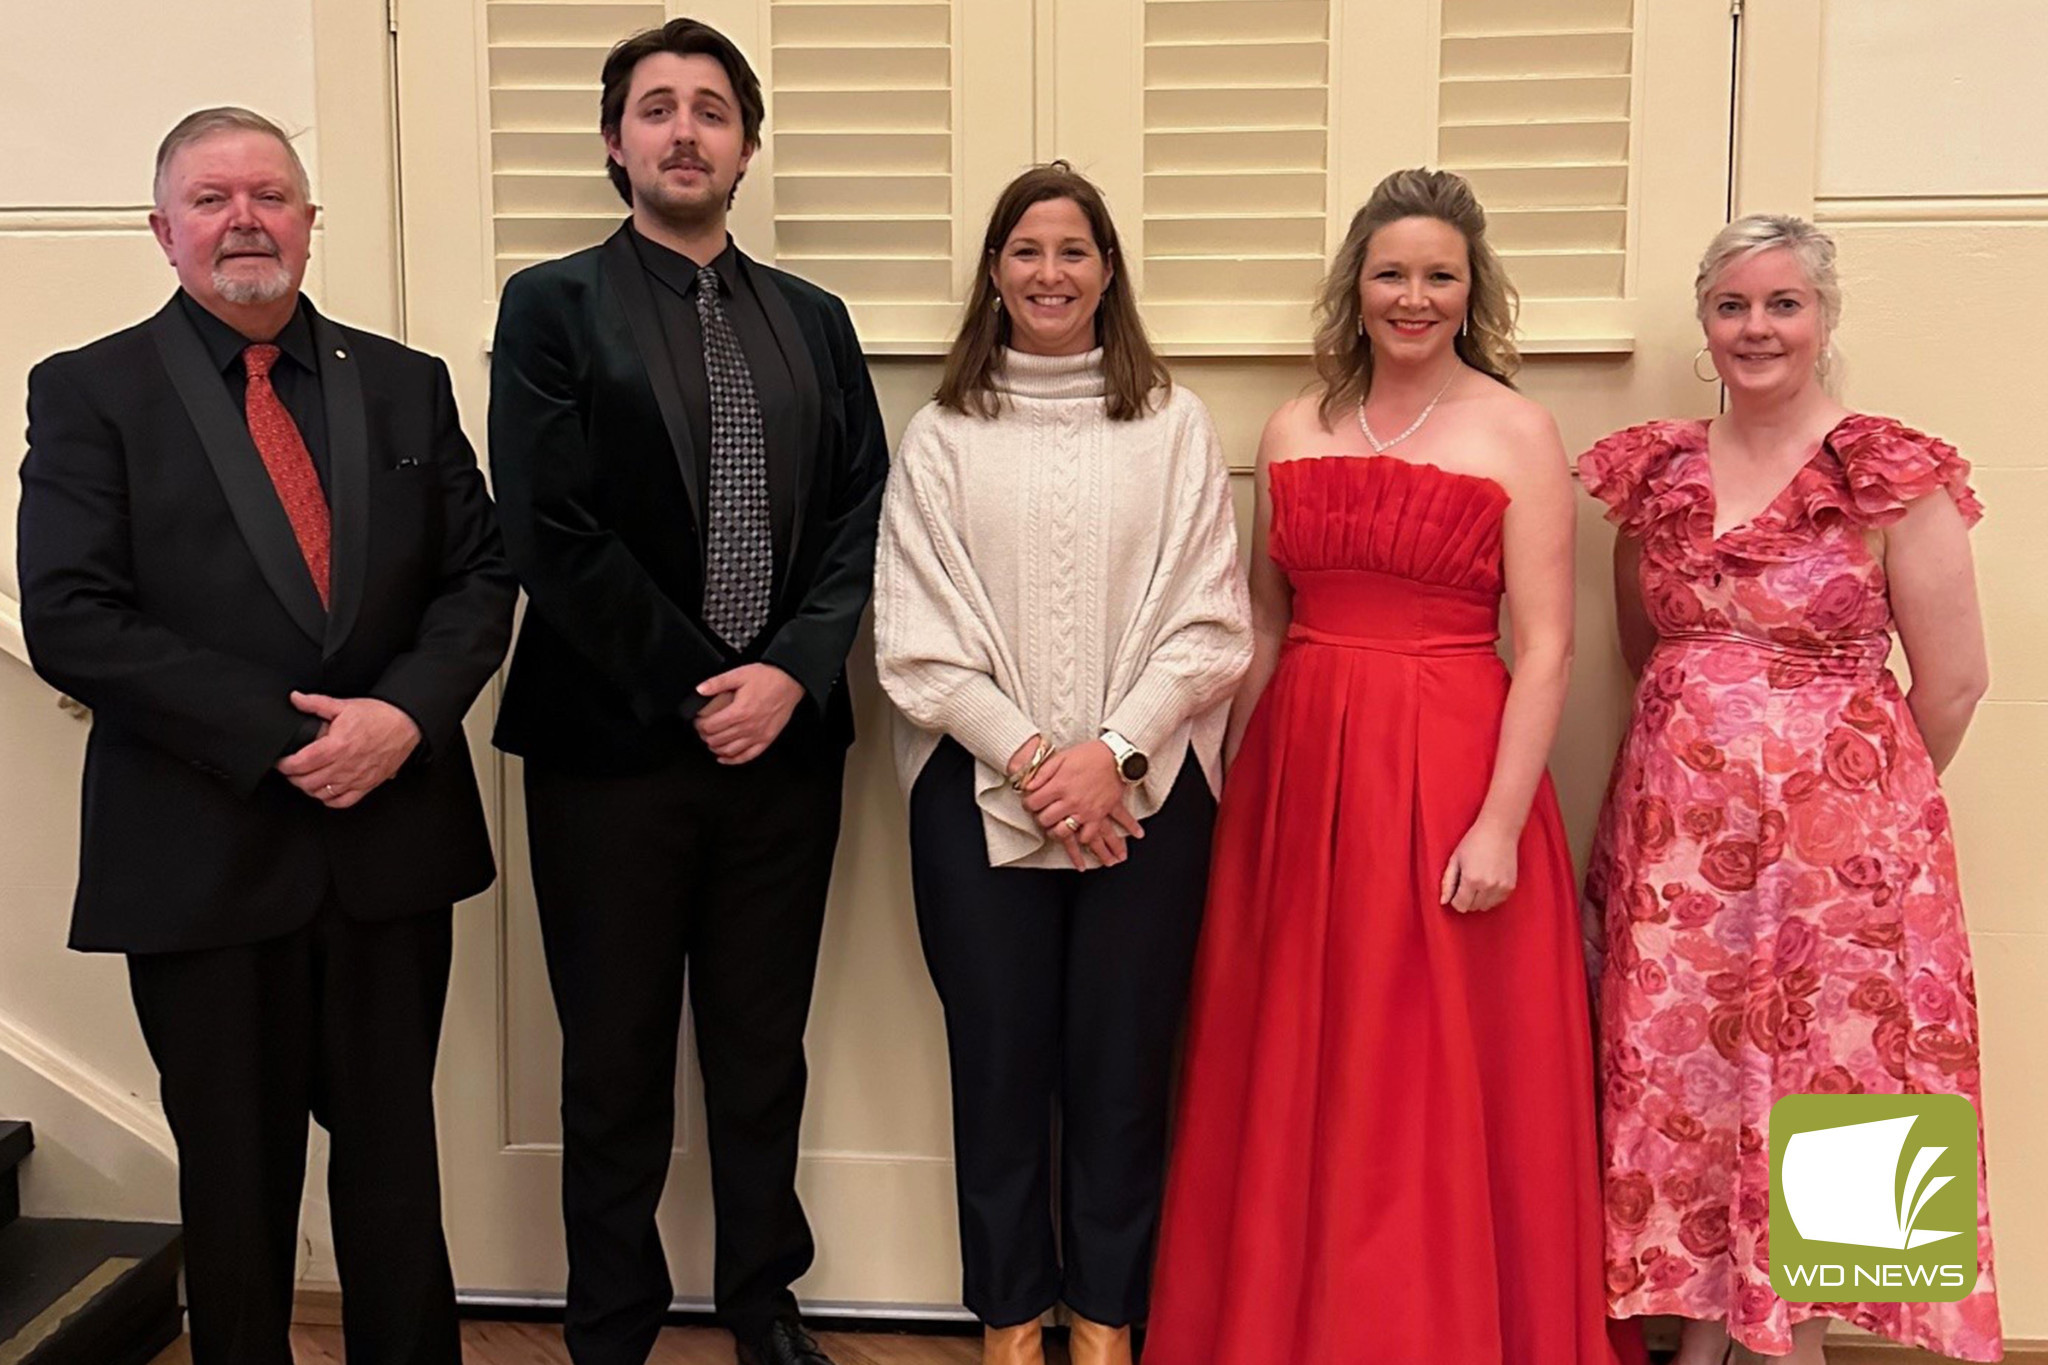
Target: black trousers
{"points": [[1063, 993], [721, 872], [340, 1020]]}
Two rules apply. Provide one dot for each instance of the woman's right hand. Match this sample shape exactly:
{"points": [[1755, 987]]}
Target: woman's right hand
{"points": [[1106, 838]]}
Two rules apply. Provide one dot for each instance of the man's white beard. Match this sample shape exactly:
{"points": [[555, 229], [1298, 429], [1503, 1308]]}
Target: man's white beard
{"points": [[270, 285]]}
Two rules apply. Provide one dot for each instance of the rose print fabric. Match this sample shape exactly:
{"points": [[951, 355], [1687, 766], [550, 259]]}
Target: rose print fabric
{"points": [[1773, 875]]}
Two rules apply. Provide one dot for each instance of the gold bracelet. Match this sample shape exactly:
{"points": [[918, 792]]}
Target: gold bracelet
{"points": [[1017, 783]]}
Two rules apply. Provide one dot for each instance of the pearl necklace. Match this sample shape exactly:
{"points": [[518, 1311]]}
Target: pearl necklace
{"points": [[1380, 447]]}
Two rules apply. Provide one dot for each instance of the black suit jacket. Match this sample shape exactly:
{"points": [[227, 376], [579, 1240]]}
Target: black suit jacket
{"points": [[162, 586], [598, 494]]}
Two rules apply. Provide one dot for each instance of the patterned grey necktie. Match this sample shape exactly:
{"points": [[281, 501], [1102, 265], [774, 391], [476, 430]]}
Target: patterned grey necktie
{"points": [[739, 561]]}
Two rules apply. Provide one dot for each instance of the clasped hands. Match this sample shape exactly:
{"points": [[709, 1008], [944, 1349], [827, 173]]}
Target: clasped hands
{"points": [[1080, 784], [361, 744], [749, 706]]}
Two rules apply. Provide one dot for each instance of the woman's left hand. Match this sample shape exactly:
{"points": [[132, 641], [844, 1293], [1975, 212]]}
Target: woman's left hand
{"points": [[1482, 868], [1079, 783]]}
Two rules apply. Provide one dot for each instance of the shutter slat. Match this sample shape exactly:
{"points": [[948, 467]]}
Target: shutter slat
{"points": [[798, 25], [1235, 150], [1221, 236], [1211, 66], [1233, 21], [841, 153], [1496, 16], [1265, 107], [1496, 99], [600, 25], [871, 68], [1509, 143], [1582, 54], [891, 111], [1250, 194], [875, 280], [1291, 280], [803, 195]]}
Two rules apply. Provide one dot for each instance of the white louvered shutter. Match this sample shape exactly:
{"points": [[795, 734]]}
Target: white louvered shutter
{"points": [[549, 191], [1535, 109], [1236, 157], [861, 127]]}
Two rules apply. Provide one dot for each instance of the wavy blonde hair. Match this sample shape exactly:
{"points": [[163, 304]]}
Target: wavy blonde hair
{"points": [[1343, 355]]}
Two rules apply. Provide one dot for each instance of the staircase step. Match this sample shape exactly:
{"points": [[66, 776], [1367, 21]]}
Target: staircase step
{"points": [[17, 1140], [75, 1292]]}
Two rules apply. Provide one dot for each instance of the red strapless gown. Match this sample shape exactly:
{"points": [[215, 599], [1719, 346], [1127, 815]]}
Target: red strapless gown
{"points": [[1387, 1144]]}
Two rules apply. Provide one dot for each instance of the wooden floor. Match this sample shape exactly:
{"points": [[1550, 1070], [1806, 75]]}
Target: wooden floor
{"points": [[528, 1343]]}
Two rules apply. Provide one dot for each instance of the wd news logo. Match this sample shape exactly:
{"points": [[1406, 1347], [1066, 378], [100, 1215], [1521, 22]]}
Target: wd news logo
{"points": [[1873, 1198]]}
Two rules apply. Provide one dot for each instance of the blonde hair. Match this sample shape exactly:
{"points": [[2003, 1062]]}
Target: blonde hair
{"points": [[1343, 355], [1745, 237]]}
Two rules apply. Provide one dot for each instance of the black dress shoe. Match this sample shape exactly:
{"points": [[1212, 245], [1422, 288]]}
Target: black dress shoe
{"points": [[784, 1343]]}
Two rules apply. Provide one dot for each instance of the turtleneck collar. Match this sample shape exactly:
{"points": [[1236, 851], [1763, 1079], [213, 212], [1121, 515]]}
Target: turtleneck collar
{"points": [[1054, 377]]}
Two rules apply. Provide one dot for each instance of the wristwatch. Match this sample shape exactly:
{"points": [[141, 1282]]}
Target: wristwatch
{"points": [[1131, 763]]}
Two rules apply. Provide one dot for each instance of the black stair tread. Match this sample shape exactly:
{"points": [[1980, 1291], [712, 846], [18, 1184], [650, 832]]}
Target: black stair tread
{"points": [[16, 1141], [41, 1259]]}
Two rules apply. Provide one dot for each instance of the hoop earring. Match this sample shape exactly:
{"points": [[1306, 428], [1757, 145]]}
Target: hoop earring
{"points": [[1703, 378]]}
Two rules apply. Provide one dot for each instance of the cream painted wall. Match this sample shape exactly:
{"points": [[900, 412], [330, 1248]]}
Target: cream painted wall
{"points": [[1932, 174]]}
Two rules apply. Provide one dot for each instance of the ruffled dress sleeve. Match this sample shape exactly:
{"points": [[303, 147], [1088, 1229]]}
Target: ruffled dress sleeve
{"points": [[1885, 467], [1626, 471]]}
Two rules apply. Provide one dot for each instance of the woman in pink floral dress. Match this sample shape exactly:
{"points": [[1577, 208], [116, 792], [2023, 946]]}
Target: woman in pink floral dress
{"points": [[1773, 872]]}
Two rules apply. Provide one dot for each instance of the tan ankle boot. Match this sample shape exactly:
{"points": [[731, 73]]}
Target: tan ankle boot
{"points": [[1090, 1343], [1019, 1345]]}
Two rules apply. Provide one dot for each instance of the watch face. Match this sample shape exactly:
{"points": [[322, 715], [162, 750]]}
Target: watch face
{"points": [[1134, 767]]}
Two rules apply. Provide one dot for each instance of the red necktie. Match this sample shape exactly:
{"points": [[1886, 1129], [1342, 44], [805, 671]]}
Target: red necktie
{"points": [[291, 467]]}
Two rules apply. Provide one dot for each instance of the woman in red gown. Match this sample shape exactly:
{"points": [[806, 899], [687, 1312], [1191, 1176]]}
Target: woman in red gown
{"points": [[1387, 1148]]}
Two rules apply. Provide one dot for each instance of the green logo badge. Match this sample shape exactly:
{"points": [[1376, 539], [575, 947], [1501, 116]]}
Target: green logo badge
{"points": [[1873, 1198]]}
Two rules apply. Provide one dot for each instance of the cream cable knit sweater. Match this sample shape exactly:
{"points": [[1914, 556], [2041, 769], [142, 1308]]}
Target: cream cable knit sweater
{"points": [[1054, 572]]}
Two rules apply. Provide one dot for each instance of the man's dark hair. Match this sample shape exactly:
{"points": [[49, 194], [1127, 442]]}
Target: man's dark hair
{"points": [[685, 38]]}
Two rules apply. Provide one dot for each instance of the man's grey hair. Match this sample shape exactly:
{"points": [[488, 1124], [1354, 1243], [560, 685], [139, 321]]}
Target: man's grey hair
{"points": [[227, 118]]}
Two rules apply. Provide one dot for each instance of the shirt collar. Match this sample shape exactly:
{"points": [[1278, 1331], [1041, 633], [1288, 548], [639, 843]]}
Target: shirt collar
{"points": [[679, 272], [224, 345]]}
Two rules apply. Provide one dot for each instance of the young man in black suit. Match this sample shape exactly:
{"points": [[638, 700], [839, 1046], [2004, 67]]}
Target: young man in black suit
{"points": [[257, 545], [689, 462]]}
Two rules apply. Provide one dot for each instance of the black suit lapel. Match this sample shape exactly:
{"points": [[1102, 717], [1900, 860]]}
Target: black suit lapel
{"points": [[803, 376], [252, 498], [628, 280], [348, 477]]}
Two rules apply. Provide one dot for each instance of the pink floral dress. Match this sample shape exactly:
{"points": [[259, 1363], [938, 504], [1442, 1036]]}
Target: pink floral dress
{"points": [[1773, 872]]}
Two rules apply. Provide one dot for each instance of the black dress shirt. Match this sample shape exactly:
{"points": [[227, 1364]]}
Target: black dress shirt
{"points": [[295, 377], [675, 301]]}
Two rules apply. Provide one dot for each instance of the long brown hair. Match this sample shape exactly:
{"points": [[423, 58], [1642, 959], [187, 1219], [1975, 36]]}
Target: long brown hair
{"points": [[1132, 369], [1487, 340]]}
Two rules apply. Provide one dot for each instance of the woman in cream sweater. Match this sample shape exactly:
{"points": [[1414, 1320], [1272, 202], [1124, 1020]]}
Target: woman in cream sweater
{"points": [[1060, 620]]}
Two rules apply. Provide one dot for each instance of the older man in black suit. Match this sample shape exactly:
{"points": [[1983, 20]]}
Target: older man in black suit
{"points": [[257, 545]]}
